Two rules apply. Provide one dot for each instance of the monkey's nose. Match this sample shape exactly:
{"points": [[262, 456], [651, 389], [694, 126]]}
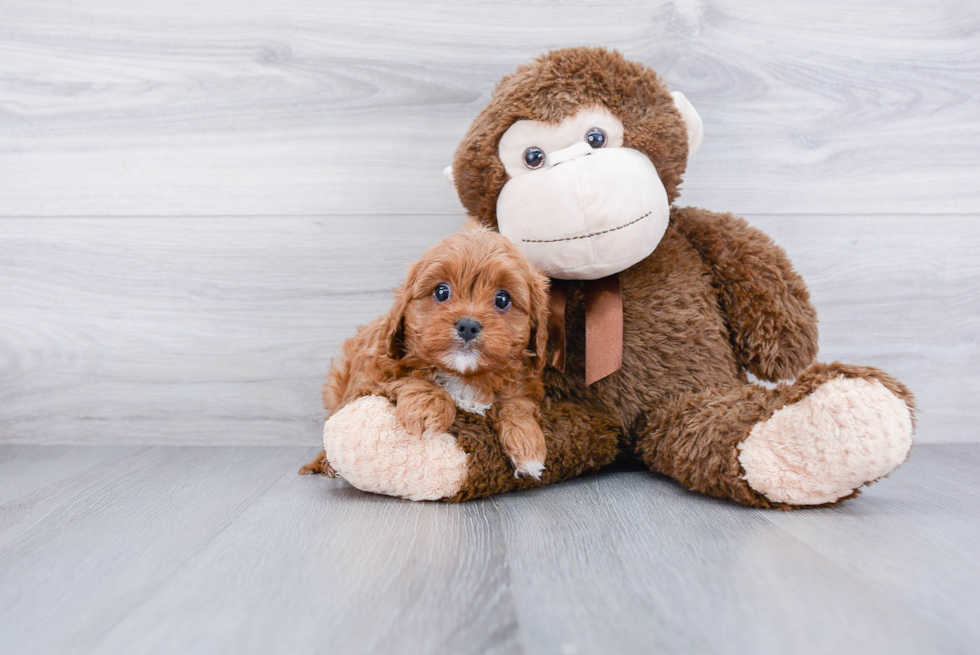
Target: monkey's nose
{"points": [[571, 152], [468, 328]]}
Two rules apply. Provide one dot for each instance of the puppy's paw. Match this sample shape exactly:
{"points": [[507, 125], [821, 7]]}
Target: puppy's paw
{"points": [[532, 468], [423, 413], [523, 442]]}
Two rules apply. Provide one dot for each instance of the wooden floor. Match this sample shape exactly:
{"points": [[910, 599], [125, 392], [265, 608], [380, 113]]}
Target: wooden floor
{"points": [[126, 549]]}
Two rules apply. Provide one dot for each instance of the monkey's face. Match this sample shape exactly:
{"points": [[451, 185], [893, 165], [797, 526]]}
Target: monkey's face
{"points": [[578, 202], [577, 158]]}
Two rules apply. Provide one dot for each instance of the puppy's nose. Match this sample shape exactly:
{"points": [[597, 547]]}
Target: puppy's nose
{"points": [[468, 328]]}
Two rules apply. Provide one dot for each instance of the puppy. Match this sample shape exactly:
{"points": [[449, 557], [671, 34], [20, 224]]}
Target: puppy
{"points": [[468, 331]]}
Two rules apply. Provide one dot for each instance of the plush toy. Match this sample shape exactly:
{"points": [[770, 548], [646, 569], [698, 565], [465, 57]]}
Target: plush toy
{"points": [[658, 314]]}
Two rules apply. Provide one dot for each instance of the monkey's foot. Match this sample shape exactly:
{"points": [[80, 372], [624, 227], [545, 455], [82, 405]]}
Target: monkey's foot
{"points": [[847, 432]]}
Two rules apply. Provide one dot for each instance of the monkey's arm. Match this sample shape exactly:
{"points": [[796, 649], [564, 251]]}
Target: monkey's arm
{"points": [[772, 323]]}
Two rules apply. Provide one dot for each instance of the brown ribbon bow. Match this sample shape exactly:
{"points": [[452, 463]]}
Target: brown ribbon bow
{"points": [[603, 326]]}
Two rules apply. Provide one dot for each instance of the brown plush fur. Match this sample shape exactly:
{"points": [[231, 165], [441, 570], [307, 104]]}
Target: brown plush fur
{"points": [[555, 87], [693, 436], [715, 299], [569, 455], [400, 355]]}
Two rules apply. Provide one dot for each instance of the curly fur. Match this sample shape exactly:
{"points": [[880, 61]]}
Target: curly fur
{"points": [[405, 355]]}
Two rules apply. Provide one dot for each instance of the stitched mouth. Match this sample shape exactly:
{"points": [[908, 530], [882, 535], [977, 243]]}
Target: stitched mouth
{"points": [[590, 235]]}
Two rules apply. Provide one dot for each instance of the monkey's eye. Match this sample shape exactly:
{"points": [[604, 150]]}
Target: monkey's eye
{"points": [[596, 137], [442, 293], [502, 300], [534, 157]]}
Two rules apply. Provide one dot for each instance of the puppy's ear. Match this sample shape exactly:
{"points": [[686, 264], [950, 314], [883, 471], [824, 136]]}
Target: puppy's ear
{"points": [[538, 344], [393, 329]]}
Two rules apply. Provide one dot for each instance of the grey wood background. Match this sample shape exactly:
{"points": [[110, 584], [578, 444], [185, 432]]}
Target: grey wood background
{"points": [[200, 200]]}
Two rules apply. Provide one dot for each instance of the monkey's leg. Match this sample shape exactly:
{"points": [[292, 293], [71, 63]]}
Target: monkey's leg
{"points": [[811, 442], [367, 446]]}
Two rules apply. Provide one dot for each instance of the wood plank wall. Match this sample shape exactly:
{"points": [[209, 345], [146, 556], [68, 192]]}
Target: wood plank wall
{"points": [[200, 200]]}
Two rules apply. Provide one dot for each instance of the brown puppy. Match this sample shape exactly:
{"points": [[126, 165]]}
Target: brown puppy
{"points": [[468, 330]]}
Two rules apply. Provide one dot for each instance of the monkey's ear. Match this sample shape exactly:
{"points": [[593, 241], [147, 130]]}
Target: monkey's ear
{"points": [[695, 128], [447, 172]]}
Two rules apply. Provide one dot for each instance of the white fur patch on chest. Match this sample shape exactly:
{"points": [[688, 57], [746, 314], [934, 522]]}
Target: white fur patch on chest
{"points": [[464, 395]]}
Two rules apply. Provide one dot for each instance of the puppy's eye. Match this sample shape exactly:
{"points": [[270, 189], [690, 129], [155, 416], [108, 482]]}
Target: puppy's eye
{"points": [[534, 157], [596, 137], [442, 293], [502, 300]]}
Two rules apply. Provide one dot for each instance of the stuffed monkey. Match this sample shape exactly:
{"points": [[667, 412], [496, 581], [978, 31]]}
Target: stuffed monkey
{"points": [[658, 314]]}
